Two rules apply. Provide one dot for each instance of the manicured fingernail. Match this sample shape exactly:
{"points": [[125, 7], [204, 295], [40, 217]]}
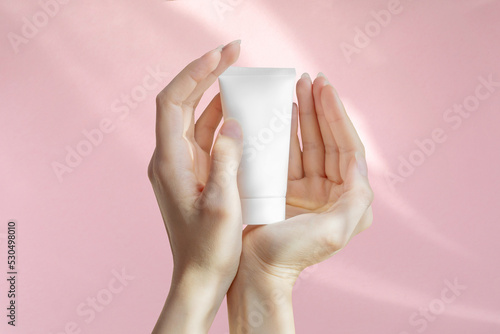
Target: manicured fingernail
{"points": [[219, 48], [238, 41], [320, 74], [361, 162], [305, 76], [231, 128]]}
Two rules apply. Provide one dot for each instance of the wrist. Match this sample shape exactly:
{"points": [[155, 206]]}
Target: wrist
{"points": [[260, 303], [192, 303]]}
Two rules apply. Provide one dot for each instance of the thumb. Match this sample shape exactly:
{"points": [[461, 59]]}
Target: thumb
{"points": [[221, 189]]}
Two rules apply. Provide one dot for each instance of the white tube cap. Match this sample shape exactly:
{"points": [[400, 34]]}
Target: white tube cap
{"points": [[261, 211]]}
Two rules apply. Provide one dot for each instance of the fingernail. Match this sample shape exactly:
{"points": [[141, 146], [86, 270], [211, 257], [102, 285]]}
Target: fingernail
{"points": [[361, 162], [320, 74], [219, 48], [238, 41], [231, 128], [305, 76]]}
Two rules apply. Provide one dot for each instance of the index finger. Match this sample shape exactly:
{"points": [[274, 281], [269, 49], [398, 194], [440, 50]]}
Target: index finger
{"points": [[169, 102]]}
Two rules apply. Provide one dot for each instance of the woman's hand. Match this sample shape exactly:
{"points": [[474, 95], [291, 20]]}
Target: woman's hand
{"points": [[328, 202], [197, 194]]}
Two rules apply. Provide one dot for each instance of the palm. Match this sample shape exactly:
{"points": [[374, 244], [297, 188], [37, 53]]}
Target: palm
{"points": [[305, 199], [316, 178], [311, 195], [309, 189]]}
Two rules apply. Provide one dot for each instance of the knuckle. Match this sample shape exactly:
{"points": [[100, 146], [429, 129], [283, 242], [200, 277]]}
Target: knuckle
{"points": [[334, 241], [151, 175], [363, 225], [312, 146], [157, 169], [225, 148], [220, 157], [216, 210], [224, 169], [166, 98], [347, 150], [366, 224], [364, 195], [331, 148], [151, 172], [367, 219], [216, 205], [160, 98]]}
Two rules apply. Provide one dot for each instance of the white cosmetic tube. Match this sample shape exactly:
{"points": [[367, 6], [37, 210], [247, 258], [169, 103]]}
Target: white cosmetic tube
{"points": [[261, 100]]}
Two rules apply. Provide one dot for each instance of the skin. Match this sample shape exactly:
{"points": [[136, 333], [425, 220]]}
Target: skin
{"points": [[194, 179], [328, 202]]}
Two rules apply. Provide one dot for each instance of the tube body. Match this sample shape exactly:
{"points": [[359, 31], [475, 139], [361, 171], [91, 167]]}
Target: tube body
{"points": [[261, 100]]}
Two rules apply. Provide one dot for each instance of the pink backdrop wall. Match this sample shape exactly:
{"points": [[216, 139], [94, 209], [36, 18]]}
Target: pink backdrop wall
{"points": [[433, 167]]}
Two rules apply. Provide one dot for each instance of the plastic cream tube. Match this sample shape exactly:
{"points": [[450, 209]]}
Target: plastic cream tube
{"points": [[261, 100]]}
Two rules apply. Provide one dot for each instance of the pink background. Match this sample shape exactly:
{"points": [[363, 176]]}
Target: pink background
{"points": [[439, 224]]}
